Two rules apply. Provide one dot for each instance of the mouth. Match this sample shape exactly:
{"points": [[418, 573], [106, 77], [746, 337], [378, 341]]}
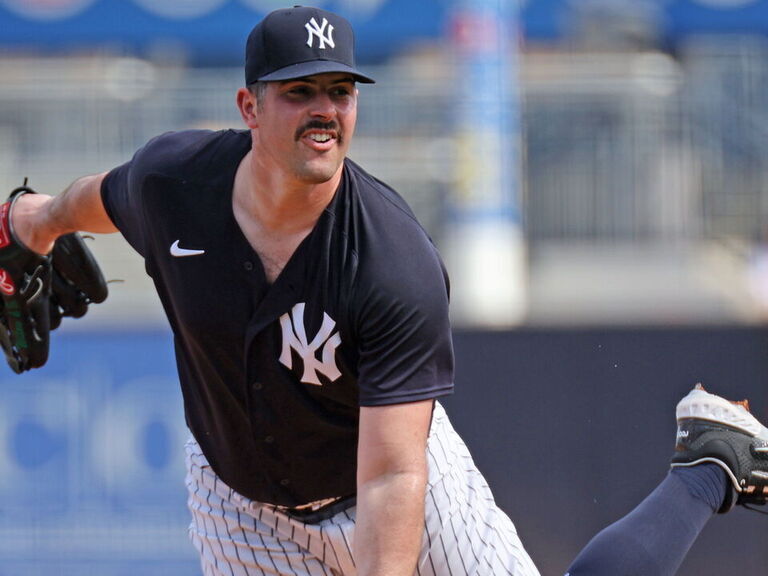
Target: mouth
{"points": [[319, 137], [320, 141]]}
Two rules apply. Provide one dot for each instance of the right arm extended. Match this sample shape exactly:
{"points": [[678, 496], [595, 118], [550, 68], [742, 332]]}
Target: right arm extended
{"points": [[38, 220]]}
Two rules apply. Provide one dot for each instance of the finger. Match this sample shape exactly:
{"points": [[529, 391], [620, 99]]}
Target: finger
{"points": [[66, 297], [75, 263], [7, 343]]}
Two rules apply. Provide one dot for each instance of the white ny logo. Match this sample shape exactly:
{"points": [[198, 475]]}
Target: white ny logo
{"points": [[319, 32], [294, 336]]}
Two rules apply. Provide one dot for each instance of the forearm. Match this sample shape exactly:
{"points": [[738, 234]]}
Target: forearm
{"points": [[390, 524], [38, 219]]}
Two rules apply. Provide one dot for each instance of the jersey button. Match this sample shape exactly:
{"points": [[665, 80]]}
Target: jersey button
{"points": [[269, 439], [285, 482], [258, 385], [248, 265]]}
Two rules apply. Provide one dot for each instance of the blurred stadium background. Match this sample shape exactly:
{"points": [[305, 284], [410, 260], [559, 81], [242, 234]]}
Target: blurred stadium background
{"points": [[629, 174]]}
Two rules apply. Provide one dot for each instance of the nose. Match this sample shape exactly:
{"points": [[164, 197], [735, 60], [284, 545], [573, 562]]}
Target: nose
{"points": [[323, 106]]}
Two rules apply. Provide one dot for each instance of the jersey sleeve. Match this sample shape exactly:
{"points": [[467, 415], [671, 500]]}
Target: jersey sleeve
{"points": [[122, 201], [121, 194], [405, 346], [124, 187]]}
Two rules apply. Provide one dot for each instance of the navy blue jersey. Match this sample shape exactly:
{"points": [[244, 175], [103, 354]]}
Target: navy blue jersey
{"points": [[273, 375]]}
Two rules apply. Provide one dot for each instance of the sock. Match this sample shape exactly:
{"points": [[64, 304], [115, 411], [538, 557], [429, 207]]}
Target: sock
{"points": [[655, 537], [707, 482]]}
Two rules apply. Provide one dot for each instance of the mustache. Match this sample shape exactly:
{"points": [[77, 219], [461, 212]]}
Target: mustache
{"points": [[318, 125]]}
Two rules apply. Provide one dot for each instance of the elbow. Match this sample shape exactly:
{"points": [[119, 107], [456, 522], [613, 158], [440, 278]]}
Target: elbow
{"points": [[410, 479]]}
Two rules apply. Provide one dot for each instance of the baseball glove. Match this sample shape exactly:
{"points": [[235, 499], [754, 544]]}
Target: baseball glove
{"points": [[36, 290]]}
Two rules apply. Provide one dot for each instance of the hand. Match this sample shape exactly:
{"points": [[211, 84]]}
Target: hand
{"points": [[26, 216]]}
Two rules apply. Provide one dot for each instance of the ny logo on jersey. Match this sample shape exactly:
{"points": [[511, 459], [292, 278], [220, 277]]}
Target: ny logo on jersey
{"points": [[319, 32], [295, 337]]}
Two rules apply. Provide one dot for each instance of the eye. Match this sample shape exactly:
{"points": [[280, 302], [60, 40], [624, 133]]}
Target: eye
{"points": [[299, 91], [341, 91]]}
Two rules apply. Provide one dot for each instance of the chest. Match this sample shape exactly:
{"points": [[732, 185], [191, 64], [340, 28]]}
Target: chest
{"points": [[275, 221], [293, 333], [240, 282], [273, 250]]}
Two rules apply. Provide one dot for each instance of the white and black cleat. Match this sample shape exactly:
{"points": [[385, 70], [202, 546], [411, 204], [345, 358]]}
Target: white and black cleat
{"points": [[713, 429]]}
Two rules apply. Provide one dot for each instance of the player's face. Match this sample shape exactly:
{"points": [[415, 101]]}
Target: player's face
{"points": [[305, 126]]}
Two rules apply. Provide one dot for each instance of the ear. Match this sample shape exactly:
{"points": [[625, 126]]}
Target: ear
{"points": [[246, 103]]}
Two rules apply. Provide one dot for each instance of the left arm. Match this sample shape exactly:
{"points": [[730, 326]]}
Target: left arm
{"points": [[391, 484]]}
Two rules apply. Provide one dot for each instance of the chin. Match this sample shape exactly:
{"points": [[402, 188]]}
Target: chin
{"points": [[317, 174]]}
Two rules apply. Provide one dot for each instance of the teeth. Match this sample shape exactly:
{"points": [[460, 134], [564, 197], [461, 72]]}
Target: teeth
{"points": [[320, 137]]}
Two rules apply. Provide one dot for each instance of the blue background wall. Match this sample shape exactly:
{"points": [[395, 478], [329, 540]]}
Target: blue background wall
{"points": [[571, 427], [204, 29], [574, 427], [91, 461]]}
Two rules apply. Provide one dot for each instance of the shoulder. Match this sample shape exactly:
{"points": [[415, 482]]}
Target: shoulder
{"points": [[398, 300], [396, 255], [184, 153], [389, 229], [378, 197]]}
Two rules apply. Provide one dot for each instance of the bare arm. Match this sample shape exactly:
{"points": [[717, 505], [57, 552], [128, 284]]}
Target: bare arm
{"points": [[38, 219], [391, 485]]}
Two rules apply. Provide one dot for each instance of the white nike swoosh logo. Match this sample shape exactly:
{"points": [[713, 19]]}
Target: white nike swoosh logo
{"points": [[181, 252]]}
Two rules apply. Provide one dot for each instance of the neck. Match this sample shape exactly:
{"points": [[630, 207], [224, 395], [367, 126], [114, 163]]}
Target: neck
{"points": [[279, 203]]}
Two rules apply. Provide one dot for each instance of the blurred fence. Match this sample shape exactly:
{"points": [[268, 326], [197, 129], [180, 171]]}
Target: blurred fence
{"points": [[643, 146], [637, 148]]}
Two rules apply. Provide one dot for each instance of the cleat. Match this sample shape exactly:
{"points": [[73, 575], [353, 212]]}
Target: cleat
{"points": [[712, 429]]}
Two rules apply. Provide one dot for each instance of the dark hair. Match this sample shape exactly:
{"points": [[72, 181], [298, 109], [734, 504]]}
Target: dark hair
{"points": [[258, 89]]}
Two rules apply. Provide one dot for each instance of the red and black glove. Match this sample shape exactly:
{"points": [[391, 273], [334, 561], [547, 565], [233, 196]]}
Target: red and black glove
{"points": [[36, 290]]}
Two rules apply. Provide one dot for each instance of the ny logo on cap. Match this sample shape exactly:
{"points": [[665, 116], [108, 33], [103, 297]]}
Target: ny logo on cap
{"points": [[315, 30]]}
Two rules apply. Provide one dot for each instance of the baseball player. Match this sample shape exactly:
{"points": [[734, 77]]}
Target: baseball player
{"points": [[310, 315]]}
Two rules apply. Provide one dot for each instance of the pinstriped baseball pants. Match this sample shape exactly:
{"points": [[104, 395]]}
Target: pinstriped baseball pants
{"points": [[465, 533]]}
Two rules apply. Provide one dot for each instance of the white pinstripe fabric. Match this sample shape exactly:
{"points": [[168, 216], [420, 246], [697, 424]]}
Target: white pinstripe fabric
{"points": [[465, 533]]}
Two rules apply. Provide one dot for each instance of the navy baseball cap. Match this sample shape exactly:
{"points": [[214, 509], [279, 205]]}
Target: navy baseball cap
{"points": [[301, 41]]}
